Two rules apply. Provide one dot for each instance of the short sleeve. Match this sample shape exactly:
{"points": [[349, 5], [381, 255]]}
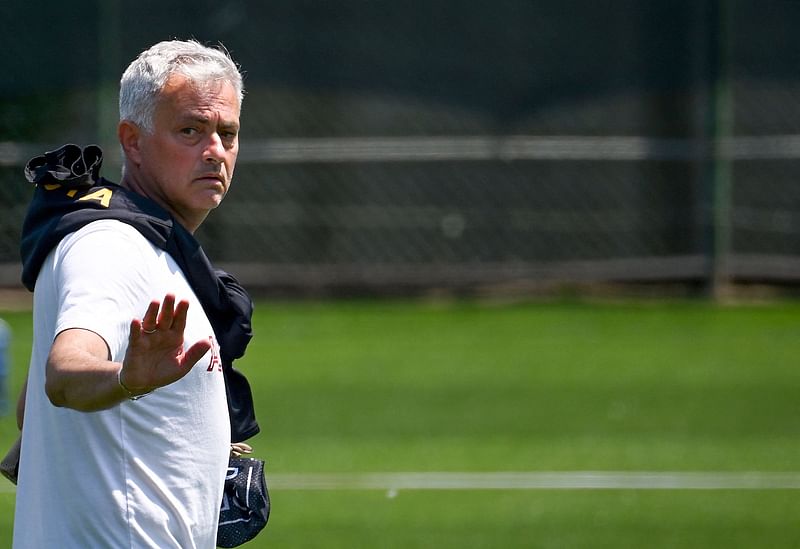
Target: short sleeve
{"points": [[101, 274]]}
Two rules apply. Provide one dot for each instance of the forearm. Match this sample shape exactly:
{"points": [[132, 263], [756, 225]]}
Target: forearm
{"points": [[80, 375]]}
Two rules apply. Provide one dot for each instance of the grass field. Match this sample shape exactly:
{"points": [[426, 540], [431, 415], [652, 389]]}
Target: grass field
{"points": [[349, 388]]}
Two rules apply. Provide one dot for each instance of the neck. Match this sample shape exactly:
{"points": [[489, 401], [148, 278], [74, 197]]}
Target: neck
{"points": [[134, 185]]}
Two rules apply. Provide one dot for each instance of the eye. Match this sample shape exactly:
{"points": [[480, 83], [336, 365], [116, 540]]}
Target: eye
{"points": [[228, 137], [189, 131]]}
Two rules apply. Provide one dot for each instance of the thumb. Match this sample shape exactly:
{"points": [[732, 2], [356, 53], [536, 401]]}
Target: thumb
{"points": [[194, 353]]}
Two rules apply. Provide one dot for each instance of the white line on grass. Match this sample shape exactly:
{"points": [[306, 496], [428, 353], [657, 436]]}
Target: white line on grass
{"points": [[567, 480], [563, 480]]}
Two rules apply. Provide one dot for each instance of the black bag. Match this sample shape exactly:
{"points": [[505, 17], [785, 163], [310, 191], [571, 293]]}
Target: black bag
{"points": [[245, 502]]}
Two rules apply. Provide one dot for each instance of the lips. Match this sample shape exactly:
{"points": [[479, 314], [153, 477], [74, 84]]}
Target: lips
{"points": [[215, 177]]}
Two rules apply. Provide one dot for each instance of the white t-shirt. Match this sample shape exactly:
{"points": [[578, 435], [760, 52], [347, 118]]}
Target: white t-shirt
{"points": [[145, 473]]}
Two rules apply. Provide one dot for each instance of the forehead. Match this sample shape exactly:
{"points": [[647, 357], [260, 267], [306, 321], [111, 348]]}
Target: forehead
{"points": [[182, 97]]}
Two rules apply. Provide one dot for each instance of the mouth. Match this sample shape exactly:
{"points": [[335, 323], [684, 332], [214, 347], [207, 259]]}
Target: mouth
{"points": [[214, 179]]}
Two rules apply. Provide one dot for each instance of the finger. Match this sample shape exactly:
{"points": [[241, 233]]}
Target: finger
{"points": [[167, 312], [241, 448], [194, 353], [181, 314], [148, 323], [135, 331]]}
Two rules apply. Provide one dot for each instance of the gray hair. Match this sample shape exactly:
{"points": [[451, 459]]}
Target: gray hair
{"points": [[146, 76]]}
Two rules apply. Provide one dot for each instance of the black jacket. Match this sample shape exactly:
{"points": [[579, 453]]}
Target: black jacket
{"points": [[70, 194]]}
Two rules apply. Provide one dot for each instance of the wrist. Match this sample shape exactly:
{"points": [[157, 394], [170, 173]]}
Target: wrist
{"points": [[132, 393]]}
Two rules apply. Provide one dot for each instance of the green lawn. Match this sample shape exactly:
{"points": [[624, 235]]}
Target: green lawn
{"points": [[392, 386]]}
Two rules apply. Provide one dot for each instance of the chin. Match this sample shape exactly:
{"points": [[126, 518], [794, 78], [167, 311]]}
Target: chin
{"points": [[211, 197], [214, 202]]}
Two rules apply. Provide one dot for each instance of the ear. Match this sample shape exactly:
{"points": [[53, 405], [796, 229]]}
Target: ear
{"points": [[128, 134]]}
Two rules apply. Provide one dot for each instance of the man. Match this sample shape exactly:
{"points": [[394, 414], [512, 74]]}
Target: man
{"points": [[126, 432]]}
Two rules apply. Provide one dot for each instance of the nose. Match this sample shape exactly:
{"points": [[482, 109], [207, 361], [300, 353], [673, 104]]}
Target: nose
{"points": [[215, 150]]}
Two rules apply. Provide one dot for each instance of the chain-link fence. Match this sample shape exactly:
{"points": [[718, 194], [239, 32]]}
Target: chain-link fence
{"points": [[441, 144]]}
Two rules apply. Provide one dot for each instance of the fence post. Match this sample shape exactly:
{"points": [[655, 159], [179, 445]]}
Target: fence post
{"points": [[110, 69], [722, 129], [5, 364]]}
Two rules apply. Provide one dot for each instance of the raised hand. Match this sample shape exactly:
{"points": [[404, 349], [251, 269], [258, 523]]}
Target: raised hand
{"points": [[155, 355]]}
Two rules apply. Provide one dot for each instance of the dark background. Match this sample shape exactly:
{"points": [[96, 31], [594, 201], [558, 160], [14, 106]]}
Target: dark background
{"points": [[444, 144]]}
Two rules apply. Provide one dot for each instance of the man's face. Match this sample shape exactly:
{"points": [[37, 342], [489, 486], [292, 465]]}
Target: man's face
{"points": [[186, 163]]}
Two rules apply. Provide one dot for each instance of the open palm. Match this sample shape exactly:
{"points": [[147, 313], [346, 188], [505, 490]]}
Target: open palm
{"points": [[156, 355]]}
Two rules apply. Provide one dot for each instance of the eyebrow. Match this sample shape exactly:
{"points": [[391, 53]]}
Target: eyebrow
{"points": [[229, 125], [205, 120]]}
